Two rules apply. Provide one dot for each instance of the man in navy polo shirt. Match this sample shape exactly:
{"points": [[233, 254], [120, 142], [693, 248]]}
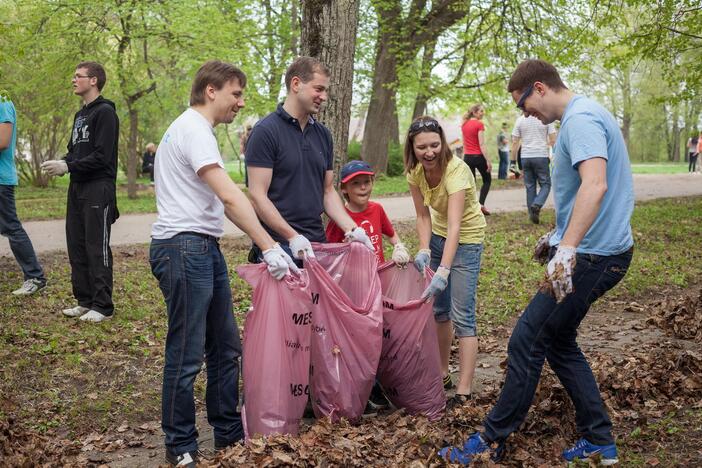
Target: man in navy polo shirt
{"points": [[289, 157]]}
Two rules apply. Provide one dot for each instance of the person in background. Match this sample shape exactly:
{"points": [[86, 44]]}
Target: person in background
{"points": [[147, 162], [503, 152], [693, 152], [588, 254], [243, 141], [451, 229], [91, 208], [534, 140], [475, 151], [10, 225]]}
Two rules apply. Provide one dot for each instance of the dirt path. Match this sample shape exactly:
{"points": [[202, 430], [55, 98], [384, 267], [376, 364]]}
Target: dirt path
{"points": [[616, 328], [135, 229]]}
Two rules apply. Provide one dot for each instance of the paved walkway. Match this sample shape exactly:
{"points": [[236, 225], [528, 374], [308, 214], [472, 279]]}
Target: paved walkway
{"points": [[135, 229]]}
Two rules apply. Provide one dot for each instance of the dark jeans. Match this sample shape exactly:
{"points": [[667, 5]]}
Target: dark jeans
{"points": [[90, 211], [693, 162], [547, 330], [536, 171], [193, 278], [20, 244], [504, 164], [478, 161]]}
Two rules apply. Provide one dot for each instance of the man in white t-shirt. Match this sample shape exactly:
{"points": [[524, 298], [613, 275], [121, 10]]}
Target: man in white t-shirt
{"points": [[193, 194], [535, 139]]}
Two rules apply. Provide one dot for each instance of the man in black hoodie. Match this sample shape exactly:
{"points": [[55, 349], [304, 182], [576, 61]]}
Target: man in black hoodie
{"points": [[91, 208]]}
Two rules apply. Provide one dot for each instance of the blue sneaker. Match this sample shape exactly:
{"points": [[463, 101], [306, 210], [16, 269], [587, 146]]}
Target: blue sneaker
{"points": [[473, 446], [583, 450]]}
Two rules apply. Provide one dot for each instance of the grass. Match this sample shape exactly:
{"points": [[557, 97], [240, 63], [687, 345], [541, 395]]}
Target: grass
{"points": [[62, 373], [659, 168]]}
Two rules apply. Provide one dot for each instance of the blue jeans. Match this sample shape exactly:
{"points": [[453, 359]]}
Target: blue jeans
{"points": [[536, 170], [20, 244], [547, 330], [193, 278], [504, 164], [457, 302]]}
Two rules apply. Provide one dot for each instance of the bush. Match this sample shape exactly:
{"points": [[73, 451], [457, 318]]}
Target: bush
{"points": [[354, 150], [396, 165]]}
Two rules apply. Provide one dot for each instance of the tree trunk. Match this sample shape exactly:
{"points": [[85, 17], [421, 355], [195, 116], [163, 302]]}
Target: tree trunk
{"points": [[329, 34], [627, 113], [381, 127], [420, 102], [132, 153]]}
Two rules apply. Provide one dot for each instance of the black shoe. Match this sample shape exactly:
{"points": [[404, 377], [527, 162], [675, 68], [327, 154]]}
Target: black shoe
{"points": [[187, 459], [534, 211], [458, 400], [376, 401], [448, 383], [222, 445]]}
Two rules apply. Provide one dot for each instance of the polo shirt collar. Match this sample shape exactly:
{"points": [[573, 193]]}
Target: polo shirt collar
{"points": [[283, 114]]}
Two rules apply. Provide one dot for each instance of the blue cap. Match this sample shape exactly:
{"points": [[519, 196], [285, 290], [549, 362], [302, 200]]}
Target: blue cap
{"points": [[354, 168]]}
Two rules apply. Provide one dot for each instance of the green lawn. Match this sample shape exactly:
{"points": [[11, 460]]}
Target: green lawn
{"points": [[659, 168]]}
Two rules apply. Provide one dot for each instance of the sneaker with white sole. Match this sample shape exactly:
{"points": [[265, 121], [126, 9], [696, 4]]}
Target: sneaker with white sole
{"points": [[94, 316], [583, 451], [76, 311], [187, 459], [29, 287]]}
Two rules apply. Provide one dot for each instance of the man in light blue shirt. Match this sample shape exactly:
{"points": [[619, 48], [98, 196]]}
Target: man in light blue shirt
{"points": [[588, 253], [10, 225]]}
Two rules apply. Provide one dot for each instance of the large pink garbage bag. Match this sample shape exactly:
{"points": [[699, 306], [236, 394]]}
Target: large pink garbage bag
{"points": [[410, 369], [276, 354], [346, 328]]}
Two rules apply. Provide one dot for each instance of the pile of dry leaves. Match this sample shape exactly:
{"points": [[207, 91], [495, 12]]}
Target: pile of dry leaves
{"points": [[20, 447], [679, 316]]}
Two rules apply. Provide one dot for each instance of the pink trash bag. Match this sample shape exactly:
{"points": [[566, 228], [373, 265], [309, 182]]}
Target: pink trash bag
{"points": [[347, 326], [276, 354], [410, 368]]}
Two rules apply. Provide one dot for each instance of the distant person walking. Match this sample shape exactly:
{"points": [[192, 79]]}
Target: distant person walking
{"points": [[693, 152], [92, 199], [534, 140], [10, 225], [474, 150], [147, 163], [503, 152]]}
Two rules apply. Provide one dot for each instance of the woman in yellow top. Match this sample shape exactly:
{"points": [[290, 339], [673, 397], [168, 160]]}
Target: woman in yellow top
{"points": [[451, 228]]}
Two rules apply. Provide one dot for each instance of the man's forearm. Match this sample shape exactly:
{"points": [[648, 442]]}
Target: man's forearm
{"points": [[334, 208], [269, 214], [240, 212], [587, 205]]}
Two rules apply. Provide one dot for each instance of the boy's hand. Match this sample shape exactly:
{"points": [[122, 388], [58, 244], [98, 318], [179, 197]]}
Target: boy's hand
{"points": [[358, 234], [400, 255]]}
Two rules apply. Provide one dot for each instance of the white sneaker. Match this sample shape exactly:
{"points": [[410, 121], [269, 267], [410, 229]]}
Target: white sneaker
{"points": [[76, 311], [94, 316], [29, 287]]}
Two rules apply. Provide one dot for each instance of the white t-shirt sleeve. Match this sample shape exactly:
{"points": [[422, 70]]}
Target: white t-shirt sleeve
{"points": [[200, 149]]}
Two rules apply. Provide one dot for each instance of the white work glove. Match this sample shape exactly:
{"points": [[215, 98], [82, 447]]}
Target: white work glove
{"points": [[421, 260], [55, 167], [437, 285], [279, 263], [559, 272], [542, 248], [400, 255], [358, 234], [300, 247]]}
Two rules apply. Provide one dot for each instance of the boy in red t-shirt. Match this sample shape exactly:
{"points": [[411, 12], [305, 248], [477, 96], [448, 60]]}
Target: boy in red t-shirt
{"points": [[356, 187]]}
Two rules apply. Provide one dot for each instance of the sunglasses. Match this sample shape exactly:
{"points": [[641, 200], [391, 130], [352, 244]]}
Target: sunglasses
{"points": [[523, 98], [430, 124]]}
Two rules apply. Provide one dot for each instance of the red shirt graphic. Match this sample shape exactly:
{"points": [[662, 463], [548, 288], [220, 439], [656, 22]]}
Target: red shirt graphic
{"points": [[373, 220]]}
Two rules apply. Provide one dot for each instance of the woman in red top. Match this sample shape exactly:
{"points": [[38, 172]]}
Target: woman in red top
{"points": [[474, 150]]}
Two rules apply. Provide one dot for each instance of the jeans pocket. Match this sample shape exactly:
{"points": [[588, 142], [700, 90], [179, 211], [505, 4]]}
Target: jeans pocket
{"points": [[195, 246]]}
